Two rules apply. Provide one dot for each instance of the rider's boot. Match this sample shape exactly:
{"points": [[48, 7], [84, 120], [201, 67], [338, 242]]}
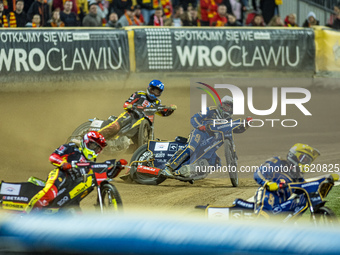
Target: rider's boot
{"points": [[110, 130], [167, 172]]}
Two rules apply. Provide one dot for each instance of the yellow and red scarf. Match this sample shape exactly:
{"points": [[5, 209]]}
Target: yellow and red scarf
{"points": [[167, 8]]}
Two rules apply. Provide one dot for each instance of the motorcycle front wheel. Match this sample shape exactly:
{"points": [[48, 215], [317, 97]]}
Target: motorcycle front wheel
{"points": [[110, 198], [80, 131], [325, 216], [231, 162], [143, 154], [144, 133]]}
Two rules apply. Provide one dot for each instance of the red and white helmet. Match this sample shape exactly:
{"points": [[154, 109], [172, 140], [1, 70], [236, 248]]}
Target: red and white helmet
{"points": [[92, 144], [227, 107]]}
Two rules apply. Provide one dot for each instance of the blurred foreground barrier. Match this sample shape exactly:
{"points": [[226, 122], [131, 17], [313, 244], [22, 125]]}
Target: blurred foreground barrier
{"points": [[152, 234], [327, 44]]}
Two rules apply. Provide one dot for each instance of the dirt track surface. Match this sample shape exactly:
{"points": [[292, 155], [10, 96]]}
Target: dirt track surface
{"points": [[33, 124]]}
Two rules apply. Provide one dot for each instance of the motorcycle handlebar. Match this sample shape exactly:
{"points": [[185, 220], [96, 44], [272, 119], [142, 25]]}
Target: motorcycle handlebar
{"points": [[149, 109]]}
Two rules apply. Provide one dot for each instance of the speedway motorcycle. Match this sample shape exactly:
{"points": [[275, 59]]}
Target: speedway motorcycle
{"points": [[313, 192], [149, 160], [138, 130], [14, 197]]}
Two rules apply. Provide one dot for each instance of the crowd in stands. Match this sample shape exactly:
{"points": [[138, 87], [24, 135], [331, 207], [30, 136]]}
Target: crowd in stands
{"points": [[122, 13]]}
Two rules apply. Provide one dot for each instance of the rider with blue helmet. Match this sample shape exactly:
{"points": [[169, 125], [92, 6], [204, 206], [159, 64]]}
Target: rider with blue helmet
{"points": [[139, 99], [155, 89]]}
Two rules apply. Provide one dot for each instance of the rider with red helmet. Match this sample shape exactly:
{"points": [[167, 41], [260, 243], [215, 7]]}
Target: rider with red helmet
{"points": [[138, 99], [90, 147]]}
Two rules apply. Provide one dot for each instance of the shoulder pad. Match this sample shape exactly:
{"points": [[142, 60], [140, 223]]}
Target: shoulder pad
{"points": [[141, 93], [74, 146]]}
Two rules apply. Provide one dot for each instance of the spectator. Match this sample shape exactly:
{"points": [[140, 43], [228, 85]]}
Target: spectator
{"points": [[232, 21], [257, 21], [290, 20], [41, 8], [128, 19], [138, 15], [156, 19], [189, 17], [336, 23], [276, 21], [250, 17], [311, 20], [219, 20], [236, 8], [2, 14], [244, 10], [92, 19], [332, 18], [102, 10], [36, 21], [208, 11], [269, 9], [113, 20], [69, 18], [119, 7], [175, 20], [18, 18], [83, 10], [60, 4], [55, 21], [9, 6], [27, 5], [186, 3], [149, 8], [194, 17]]}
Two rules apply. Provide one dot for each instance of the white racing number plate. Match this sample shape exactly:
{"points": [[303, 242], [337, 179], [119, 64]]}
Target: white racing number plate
{"points": [[96, 123], [218, 213], [161, 146], [10, 189]]}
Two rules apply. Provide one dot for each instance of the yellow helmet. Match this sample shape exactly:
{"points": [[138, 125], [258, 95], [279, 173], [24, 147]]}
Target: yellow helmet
{"points": [[301, 155]]}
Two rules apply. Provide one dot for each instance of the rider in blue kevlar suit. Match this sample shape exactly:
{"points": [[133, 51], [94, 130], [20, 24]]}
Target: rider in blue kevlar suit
{"points": [[203, 133], [270, 199]]}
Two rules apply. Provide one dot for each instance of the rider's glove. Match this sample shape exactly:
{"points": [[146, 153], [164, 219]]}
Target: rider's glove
{"points": [[66, 166], [76, 173], [173, 107], [114, 171], [271, 186], [128, 107], [202, 128], [248, 119]]}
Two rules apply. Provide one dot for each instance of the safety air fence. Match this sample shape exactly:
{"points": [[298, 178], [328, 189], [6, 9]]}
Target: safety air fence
{"points": [[150, 49], [159, 233]]}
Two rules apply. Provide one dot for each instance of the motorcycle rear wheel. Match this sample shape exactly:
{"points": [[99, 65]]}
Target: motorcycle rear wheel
{"points": [[80, 131], [231, 162], [141, 154], [111, 198], [325, 216]]}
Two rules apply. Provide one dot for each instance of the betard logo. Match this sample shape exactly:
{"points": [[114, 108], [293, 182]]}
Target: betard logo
{"points": [[239, 100]]}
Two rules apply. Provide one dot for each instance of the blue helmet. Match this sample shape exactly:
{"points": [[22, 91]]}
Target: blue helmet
{"points": [[155, 89]]}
